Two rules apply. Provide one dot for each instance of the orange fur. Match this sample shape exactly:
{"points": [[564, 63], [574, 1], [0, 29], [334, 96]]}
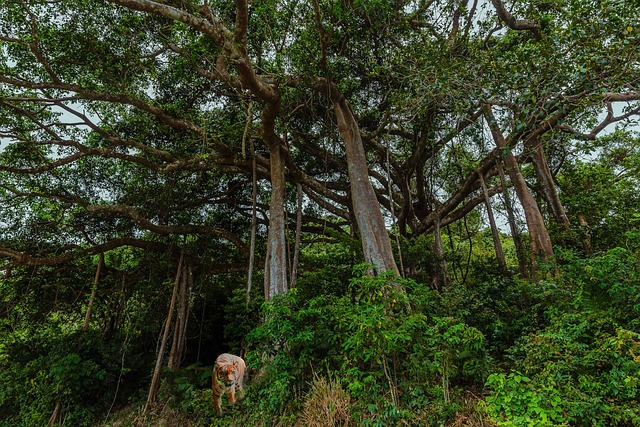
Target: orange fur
{"points": [[228, 374]]}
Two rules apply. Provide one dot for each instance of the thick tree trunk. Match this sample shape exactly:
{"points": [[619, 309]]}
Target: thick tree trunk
{"points": [[515, 233], [541, 247], [494, 229], [155, 379], [275, 268], [375, 240], [547, 184]]}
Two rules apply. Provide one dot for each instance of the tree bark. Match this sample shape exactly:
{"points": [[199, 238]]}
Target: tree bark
{"points": [[502, 264], [155, 379], [375, 240], [440, 278], [541, 247], [586, 241], [254, 218], [296, 246], [547, 184], [180, 327], [515, 233], [275, 268]]}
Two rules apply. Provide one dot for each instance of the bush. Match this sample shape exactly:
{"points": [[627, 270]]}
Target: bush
{"points": [[516, 401], [327, 404], [609, 282], [41, 369], [582, 370], [503, 309], [395, 355]]}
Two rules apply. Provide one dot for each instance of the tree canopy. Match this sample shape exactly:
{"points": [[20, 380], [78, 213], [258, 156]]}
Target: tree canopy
{"points": [[136, 122], [219, 138]]}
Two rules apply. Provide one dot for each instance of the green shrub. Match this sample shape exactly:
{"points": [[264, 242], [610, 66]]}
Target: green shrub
{"points": [[504, 309], [47, 366], [583, 370], [608, 282], [396, 356], [516, 401]]}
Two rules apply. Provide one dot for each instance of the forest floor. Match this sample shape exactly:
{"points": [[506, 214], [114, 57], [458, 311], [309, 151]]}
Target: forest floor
{"points": [[164, 415]]}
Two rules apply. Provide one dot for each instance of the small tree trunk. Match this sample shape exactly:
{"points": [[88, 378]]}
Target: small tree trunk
{"points": [[155, 379], [254, 219], [56, 415], [547, 184], [296, 246], [57, 411], [494, 229], [586, 242], [440, 279], [87, 315], [180, 327]]}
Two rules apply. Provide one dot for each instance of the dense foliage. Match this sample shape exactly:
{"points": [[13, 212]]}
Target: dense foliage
{"points": [[399, 212]]}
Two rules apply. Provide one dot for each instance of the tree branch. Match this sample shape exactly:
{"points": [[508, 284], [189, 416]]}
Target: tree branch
{"points": [[24, 259], [516, 24], [136, 217]]}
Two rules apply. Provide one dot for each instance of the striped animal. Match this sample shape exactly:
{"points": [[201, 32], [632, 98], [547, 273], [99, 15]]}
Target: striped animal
{"points": [[228, 373]]}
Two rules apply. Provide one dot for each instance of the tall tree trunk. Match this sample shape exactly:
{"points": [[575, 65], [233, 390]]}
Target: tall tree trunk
{"points": [[275, 268], [375, 240], [502, 264], [87, 315], [155, 379], [541, 247], [547, 184], [515, 233], [586, 241], [254, 219], [440, 279], [393, 214], [296, 246], [180, 328]]}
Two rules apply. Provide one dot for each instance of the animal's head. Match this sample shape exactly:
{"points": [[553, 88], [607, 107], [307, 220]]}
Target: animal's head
{"points": [[228, 373]]}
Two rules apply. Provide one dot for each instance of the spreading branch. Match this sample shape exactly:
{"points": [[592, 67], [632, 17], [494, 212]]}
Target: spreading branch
{"points": [[516, 24]]}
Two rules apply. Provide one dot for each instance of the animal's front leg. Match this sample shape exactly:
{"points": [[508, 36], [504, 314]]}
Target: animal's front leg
{"points": [[232, 396], [216, 392]]}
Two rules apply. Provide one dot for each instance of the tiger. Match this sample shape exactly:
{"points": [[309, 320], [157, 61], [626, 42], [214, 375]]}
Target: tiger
{"points": [[228, 374]]}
